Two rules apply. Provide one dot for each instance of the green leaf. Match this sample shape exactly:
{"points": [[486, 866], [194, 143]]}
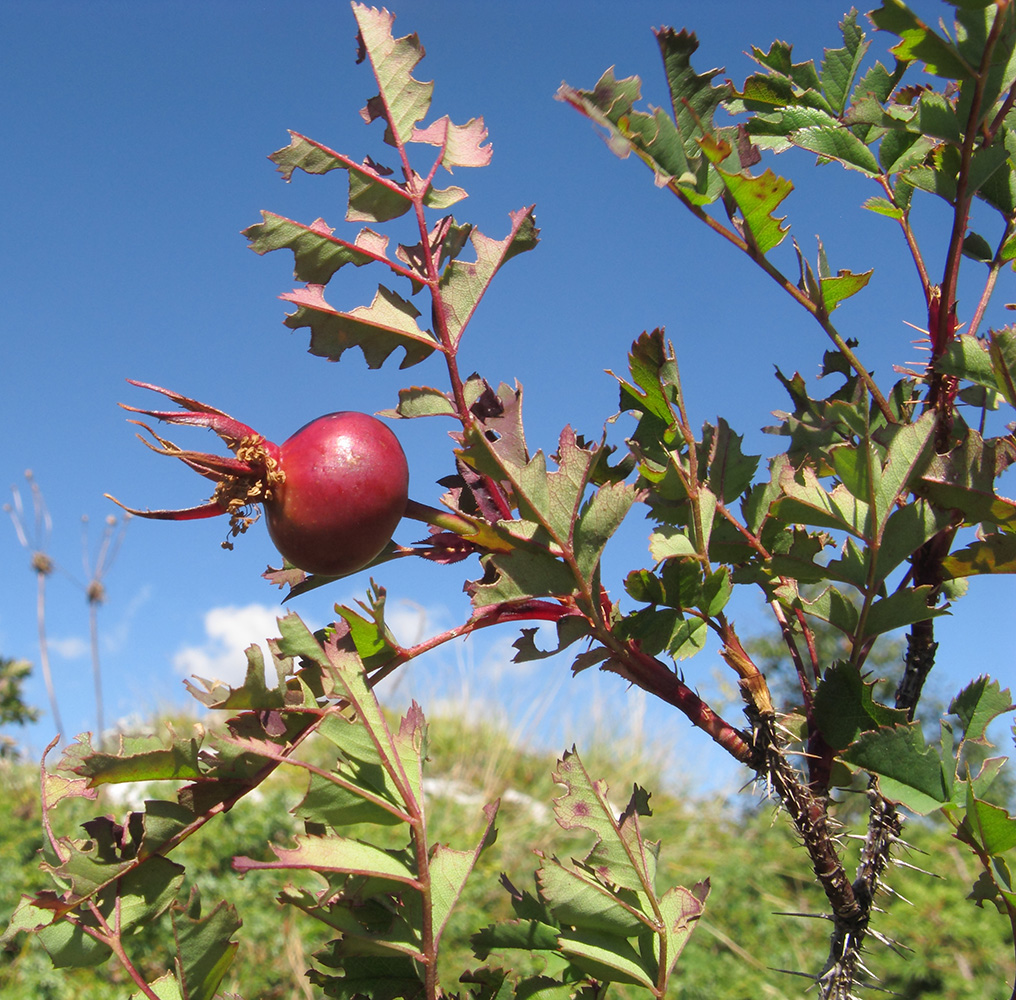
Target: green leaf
{"points": [[840, 65], [669, 543], [817, 131], [139, 758], [620, 856], [449, 870], [333, 854], [522, 574], [967, 357], [882, 206], [529, 935], [387, 323], [995, 553], [422, 401], [69, 947], [844, 706], [730, 471], [909, 448], [597, 521], [147, 891], [693, 98], [374, 198], [829, 606], [976, 248], [205, 950], [842, 286], [904, 607], [987, 826], [978, 705], [653, 137], [919, 42], [580, 900], [316, 252], [1003, 362], [908, 771], [964, 480], [463, 284], [374, 642], [656, 389], [805, 501], [606, 958], [756, 196], [906, 530], [402, 101]]}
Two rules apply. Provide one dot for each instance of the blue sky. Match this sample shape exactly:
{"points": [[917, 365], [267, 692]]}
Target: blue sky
{"points": [[137, 136]]}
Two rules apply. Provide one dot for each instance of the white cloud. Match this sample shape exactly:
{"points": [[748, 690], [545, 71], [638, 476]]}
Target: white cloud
{"points": [[71, 648], [229, 630]]}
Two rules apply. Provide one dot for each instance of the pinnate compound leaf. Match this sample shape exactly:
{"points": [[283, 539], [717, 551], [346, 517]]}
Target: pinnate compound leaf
{"points": [[389, 322], [402, 101], [908, 771]]}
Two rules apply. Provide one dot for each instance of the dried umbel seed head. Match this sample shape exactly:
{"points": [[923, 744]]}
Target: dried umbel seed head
{"points": [[333, 493]]}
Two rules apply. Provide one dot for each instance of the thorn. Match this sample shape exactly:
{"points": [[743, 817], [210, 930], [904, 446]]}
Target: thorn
{"points": [[906, 864], [793, 972], [885, 887], [811, 916]]}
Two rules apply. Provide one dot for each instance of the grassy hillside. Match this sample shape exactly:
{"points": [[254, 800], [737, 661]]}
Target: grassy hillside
{"points": [[947, 946]]}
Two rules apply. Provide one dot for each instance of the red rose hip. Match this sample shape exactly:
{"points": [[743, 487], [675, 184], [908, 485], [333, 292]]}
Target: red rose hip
{"points": [[345, 490], [333, 493]]}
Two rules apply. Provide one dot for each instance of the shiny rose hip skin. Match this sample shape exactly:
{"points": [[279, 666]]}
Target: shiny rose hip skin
{"points": [[333, 493], [345, 491]]}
